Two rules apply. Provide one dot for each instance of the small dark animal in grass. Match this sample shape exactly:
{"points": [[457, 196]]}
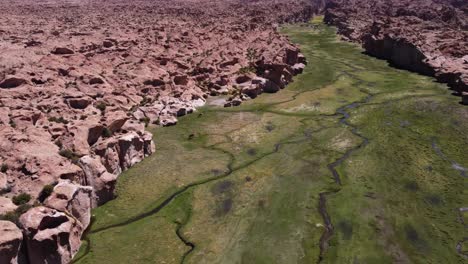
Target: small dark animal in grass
{"points": [[191, 136]]}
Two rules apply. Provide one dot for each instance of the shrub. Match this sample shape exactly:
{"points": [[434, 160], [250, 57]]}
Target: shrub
{"points": [[101, 106], [21, 198], [58, 120], [245, 70], [251, 55], [14, 216], [106, 132], [12, 123], [69, 155], [145, 120], [46, 192], [145, 101]]}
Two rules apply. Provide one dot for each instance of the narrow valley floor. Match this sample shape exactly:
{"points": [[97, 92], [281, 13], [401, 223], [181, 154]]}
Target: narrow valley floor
{"points": [[354, 162]]}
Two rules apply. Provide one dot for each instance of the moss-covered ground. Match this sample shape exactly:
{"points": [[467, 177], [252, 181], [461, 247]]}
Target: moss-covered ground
{"points": [[354, 162]]}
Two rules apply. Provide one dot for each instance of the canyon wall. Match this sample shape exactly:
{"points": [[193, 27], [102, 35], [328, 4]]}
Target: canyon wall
{"points": [[426, 36], [80, 81]]}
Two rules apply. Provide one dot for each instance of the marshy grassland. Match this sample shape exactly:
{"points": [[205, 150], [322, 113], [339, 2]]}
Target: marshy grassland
{"points": [[353, 162]]}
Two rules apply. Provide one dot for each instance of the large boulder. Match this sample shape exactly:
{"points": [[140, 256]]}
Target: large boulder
{"points": [[99, 178], [10, 242], [50, 236], [76, 200], [6, 205], [120, 152], [115, 120]]}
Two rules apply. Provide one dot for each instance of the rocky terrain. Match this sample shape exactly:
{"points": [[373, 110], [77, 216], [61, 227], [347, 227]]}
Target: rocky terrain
{"points": [[80, 80], [426, 36]]}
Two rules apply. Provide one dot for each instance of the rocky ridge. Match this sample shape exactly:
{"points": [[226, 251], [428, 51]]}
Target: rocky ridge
{"points": [[426, 36], [77, 93]]}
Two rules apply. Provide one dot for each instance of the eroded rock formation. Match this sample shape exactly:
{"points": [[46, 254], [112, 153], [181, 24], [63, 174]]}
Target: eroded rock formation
{"points": [[77, 93], [426, 36], [10, 242]]}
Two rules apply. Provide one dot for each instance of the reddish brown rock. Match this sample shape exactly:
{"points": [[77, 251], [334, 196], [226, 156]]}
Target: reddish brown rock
{"points": [[6, 205], [76, 200], [76, 99], [50, 236], [426, 36], [99, 178], [10, 242]]}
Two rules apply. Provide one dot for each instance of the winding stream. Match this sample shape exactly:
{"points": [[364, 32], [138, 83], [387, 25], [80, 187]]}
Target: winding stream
{"points": [[339, 167]]}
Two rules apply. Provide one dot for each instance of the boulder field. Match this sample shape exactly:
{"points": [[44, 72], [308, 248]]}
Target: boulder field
{"points": [[426, 36], [80, 80]]}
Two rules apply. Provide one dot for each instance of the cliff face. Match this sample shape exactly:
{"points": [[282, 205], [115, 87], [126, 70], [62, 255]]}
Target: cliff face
{"points": [[425, 36]]}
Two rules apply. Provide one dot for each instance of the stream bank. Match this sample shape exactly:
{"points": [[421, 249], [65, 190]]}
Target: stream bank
{"points": [[319, 172]]}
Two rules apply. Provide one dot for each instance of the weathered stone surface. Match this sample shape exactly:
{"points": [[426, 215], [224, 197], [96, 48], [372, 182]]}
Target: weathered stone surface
{"points": [[6, 205], [10, 242], [99, 178], [50, 236], [76, 200], [426, 36]]}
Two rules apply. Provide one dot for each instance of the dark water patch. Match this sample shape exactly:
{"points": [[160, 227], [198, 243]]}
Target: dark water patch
{"points": [[252, 151], [434, 199], [412, 186], [224, 208], [414, 238], [222, 187], [346, 228]]}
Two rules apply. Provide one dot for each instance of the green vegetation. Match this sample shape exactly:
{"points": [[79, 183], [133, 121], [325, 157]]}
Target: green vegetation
{"points": [[46, 192], [245, 70], [145, 120], [58, 120], [101, 106], [69, 154], [242, 185], [21, 199], [106, 132], [14, 216]]}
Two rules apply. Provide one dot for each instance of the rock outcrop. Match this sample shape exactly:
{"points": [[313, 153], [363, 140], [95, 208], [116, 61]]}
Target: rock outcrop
{"points": [[426, 36], [73, 199], [51, 236], [77, 94], [10, 242]]}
